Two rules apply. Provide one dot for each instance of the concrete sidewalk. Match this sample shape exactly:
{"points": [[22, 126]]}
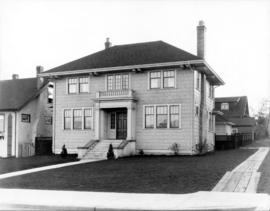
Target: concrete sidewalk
{"points": [[38, 169], [244, 178], [78, 200]]}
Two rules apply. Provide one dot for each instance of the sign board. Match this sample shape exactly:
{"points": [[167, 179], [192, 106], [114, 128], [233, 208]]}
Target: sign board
{"points": [[26, 118]]}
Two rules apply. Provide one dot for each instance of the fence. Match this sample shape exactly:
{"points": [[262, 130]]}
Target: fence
{"points": [[43, 146], [232, 141]]}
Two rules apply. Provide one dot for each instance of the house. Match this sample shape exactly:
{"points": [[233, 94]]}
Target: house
{"points": [[143, 97], [223, 126], [24, 115], [236, 110]]}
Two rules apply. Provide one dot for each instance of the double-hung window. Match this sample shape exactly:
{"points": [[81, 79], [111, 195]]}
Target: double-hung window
{"points": [[211, 122], [155, 80], [72, 85], [88, 116], [77, 119], [174, 116], [83, 85], [118, 82], [2, 123], [162, 116], [149, 116], [168, 78], [211, 91], [67, 119], [197, 80]]}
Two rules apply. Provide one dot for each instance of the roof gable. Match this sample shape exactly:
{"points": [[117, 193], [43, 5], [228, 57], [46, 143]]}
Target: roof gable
{"points": [[238, 106], [15, 93], [131, 54]]}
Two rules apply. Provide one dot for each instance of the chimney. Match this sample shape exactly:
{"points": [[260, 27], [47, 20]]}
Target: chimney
{"points": [[108, 43], [15, 76], [201, 29], [40, 80]]}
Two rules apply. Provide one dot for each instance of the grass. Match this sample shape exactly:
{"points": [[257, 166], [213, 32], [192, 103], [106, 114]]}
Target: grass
{"points": [[264, 183], [160, 174], [15, 164]]}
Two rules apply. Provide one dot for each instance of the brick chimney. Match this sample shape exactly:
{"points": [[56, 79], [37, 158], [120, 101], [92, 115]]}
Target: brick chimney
{"points": [[108, 43], [201, 29], [40, 80], [15, 76]]}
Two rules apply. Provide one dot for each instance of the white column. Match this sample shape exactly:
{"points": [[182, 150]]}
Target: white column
{"points": [[131, 121], [97, 124]]}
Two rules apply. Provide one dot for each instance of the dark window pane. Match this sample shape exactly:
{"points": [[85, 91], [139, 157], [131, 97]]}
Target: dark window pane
{"points": [[112, 120]]}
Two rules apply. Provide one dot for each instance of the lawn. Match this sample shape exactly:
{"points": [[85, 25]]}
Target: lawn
{"points": [[264, 184], [15, 164], [160, 174]]}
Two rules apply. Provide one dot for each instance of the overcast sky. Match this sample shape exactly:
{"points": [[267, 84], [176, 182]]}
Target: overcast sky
{"points": [[51, 33]]}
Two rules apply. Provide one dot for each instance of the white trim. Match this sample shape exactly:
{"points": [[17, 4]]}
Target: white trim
{"points": [[72, 118], [119, 68], [168, 115]]}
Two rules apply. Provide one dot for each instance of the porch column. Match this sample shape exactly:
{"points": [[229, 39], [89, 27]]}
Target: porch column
{"points": [[97, 117], [131, 120]]}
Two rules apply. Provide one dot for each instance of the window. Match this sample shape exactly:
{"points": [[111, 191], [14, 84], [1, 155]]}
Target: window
{"points": [[155, 78], [162, 116], [67, 119], [110, 84], [113, 120], [149, 117], [168, 78], [72, 85], [2, 123], [174, 116], [83, 84], [197, 111], [197, 80], [211, 122], [224, 106], [77, 119], [118, 82], [88, 114], [211, 91]]}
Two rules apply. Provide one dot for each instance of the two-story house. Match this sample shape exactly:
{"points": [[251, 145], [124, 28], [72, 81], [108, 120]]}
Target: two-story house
{"points": [[25, 114], [143, 97]]}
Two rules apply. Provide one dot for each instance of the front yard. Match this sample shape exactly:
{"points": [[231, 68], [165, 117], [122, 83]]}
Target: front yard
{"points": [[160, 174], [16, 164]]}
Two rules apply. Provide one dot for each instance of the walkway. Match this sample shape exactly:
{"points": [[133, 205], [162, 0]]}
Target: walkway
{"points": [[33, 170], [245, 177], [80, 200]]}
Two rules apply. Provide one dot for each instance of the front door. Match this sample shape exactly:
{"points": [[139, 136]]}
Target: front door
{"points": [[121, 125]]}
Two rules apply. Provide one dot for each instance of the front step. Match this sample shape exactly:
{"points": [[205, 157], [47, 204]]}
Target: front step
{"points": [[101, 149]]}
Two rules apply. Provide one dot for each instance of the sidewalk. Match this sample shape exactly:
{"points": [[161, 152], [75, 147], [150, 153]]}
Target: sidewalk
{"points": [[80, 200], [245, 177]]}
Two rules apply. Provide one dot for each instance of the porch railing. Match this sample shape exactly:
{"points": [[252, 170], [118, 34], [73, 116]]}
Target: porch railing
{"points": [[126, 93]]}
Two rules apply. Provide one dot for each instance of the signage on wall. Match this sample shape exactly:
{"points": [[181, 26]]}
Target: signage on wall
{"points": [[26, 118]]}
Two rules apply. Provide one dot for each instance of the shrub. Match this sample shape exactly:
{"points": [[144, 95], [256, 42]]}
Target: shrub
{"points": [[110, 153], [175, 148], [141, 152], [64, 152]]}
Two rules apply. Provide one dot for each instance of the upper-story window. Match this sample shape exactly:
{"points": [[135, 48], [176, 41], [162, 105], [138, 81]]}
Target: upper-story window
{"points": [[118, 81], [72, 85], [78, 85], [211, 91], [2, 124], [197, 80], [155, 79], [162, 79], [224, 106], [168, 78]]}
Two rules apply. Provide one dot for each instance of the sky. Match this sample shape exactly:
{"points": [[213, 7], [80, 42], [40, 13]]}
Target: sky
{"points": [[54, 32]]}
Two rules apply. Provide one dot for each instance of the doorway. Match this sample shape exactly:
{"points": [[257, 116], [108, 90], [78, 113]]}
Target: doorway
{"points": [[121, 124]]}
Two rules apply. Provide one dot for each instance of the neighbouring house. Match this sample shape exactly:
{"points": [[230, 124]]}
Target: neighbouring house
{"points": [[25, 114], [141, 98], [223, 126], [236, 110]]}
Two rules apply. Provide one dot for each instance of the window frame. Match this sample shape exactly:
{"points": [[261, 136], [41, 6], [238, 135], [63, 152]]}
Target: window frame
{"points": [[3, 115], [83, 119], [70, 117], [197, 80], [162, 79], [83, 83], [165, 114], [210, 122], [168, 77], [145, 115], [123, 85], [168, 115], [151, 78], [223, 107], [77, 85]]}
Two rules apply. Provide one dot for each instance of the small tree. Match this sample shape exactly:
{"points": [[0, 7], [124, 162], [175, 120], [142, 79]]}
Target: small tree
{"points": [[64, 152], [110, 153]]}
